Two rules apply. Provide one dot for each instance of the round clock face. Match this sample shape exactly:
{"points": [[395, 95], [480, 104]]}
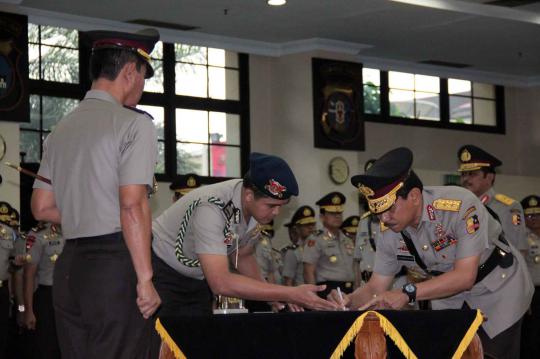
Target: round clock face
{"points": [[338, 170], [2, 147]]}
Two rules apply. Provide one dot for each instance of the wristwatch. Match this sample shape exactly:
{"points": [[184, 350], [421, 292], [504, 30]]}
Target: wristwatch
{"points": [[20, 308], [410, 290]]}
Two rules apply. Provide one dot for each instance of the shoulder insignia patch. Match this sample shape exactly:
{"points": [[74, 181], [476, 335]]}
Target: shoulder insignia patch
{"points": [[442, 204], [365, 215], [311, 243], [504, 199], [138, 110], [469, 211]]}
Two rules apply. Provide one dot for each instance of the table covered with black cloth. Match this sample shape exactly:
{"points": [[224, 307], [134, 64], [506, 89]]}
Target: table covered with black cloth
{"points": [[424, 334]]}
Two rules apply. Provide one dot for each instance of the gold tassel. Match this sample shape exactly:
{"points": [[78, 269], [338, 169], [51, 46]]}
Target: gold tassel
{"points": [[389, 329], [169, 341], [469, 335], [349, 336]]}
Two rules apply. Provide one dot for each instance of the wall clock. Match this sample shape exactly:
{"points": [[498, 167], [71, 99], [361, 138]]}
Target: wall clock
{"points": [[338, 170]]}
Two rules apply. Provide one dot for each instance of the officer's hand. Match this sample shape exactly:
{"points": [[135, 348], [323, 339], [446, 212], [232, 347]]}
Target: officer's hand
{"points": [[294, 308], [29, 319], [276, 306], [342, 301], [394, 299], [148, 299], [306, 296], [19, 260]]}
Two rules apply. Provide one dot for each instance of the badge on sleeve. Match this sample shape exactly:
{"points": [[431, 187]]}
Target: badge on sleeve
{"points": [[516, 218], [473, 224], [311, 243]]}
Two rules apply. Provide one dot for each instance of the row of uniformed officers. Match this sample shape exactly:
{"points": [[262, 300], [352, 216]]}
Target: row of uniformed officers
{"points": [[201, 245]]}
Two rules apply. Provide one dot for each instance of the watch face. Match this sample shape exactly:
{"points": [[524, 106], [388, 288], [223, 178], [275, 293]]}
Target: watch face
{"points": [[409, 288], [339, 170]]}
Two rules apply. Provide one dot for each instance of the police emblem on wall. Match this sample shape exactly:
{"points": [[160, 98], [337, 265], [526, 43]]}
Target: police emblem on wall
{"points": [[337, 99], [14, 105]]}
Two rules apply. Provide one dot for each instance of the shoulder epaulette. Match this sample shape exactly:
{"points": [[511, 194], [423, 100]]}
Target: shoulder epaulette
{"points": [[504, 199], [447, 204], [365, 215], [318, 232], [138, 110], [289, 247]]}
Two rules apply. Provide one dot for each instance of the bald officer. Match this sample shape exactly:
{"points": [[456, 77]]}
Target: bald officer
{"points": [[477, 168], [303, 224], [211, 229], [45, 243], [100, 159], [328, 255], [183, 184], [531, 323], [446, 232]]}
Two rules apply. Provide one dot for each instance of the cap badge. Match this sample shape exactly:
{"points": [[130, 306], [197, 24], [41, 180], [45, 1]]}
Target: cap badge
{"points": [[275, 188], [355, 222], [533, 202], [4, 209], [366, 191], [336, 200], [191, 182], [465, 156], [307, 212]]}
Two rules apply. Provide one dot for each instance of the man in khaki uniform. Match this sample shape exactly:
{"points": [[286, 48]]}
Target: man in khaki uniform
{"points": [[45, 244], [446, 232], [477, 168], [211, 229], [303, 224], [100, 160], [367, 236], [328, 254], [263, 252], [530, 345], [8, 235]]}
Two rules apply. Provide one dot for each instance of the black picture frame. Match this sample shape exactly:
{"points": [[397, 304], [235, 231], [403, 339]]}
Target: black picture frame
{"points": [[14, 100], [337, 105]]}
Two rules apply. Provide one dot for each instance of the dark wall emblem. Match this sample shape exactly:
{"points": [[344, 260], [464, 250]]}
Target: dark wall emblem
{"points": [[14, 105], [337, 95]]}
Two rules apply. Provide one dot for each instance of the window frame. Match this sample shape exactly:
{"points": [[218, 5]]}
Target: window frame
{"points": [[168, 100], [385, 117]]}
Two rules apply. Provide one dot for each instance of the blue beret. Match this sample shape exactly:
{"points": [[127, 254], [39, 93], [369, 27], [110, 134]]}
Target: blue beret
{"points": [[272, 176]]}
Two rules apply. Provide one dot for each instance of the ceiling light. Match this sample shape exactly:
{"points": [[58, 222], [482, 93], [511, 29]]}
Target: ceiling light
{"points": [[276, 2]]}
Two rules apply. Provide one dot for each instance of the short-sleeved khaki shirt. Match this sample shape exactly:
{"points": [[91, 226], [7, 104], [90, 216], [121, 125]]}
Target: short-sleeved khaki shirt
{"points": [[205, 229], [511, 216], [332, 256], [94, 150], [293, 266], [455, 225], [533, 257], [7, 249], [45, 246], [263, 255], [368, 234]]}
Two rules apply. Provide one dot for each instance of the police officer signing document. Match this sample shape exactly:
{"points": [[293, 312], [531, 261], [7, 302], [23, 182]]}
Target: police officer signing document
{"points": [[211, 229], [446, 232], [100, 159]]}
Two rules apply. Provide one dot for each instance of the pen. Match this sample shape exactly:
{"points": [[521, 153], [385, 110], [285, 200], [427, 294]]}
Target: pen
{"points": [[340, 297]]}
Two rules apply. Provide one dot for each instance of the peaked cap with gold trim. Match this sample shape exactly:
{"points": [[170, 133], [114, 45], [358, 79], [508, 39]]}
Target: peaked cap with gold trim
{"points": [[332, 202], [303, 215], [185, 183], [350, 225], [531, 204], [384, 178], [141, 43], [472, 158]]}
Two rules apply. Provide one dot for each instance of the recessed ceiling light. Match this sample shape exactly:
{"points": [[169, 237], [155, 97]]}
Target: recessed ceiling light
{"points": [[276, 2]]}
